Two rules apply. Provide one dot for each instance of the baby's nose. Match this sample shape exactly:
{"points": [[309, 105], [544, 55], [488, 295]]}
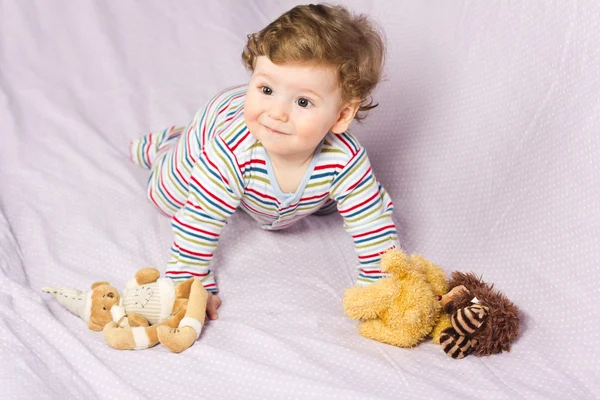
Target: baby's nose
{"points": [[278, 112]]}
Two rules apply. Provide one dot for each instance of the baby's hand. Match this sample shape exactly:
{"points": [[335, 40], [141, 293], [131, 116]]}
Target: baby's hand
{"points": [[211, 306]]}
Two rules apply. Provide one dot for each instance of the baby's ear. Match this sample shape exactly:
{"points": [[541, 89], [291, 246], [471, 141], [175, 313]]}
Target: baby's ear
{"points": [[96, 284], [346, 115]]}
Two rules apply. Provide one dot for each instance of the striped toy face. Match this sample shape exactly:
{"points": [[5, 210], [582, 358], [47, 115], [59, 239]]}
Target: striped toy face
{"points": [[290, 108]]}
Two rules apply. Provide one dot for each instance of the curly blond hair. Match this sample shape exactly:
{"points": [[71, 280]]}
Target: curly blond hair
{"points": [[329, 35]]}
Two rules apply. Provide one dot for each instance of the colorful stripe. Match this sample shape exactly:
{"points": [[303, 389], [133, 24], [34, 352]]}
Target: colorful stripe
{"points": [[202, 173]]}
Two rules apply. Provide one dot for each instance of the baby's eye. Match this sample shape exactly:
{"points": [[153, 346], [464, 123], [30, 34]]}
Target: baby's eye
{"points": [[267, 90], [302, 102]]}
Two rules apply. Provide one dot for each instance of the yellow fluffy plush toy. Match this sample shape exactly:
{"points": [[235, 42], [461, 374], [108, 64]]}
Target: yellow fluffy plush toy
{"points": [[150, 310], [403, 308]]}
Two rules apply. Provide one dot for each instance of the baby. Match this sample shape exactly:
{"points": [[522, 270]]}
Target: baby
{"points": [[278, 148]]}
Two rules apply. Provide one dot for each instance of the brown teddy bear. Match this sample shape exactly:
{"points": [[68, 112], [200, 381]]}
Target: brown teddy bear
{"points": [[403, 308], [484, 321], [150, 310]]}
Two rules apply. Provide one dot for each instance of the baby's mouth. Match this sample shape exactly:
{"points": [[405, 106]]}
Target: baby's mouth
{"points": [[275, 132]]}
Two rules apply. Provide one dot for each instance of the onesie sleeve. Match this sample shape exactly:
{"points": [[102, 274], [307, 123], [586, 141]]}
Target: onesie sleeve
{"points": [[367, 210], [208, 122], [215, 190]]}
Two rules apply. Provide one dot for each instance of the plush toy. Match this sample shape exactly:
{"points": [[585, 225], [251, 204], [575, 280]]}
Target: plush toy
{"points": [[484, 321], [403, 308], [150, 310]]}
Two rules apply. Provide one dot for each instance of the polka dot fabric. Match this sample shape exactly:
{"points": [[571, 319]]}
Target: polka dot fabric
{"points": [[486, 137]]}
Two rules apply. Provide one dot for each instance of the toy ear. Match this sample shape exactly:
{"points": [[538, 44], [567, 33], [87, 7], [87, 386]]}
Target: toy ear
{"points": [[147, 275], [96, 284]]}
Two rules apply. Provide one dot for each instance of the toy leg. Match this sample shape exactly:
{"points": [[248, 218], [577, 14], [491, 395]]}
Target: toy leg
{"points": [[183, 289], [443, 324], [135, 320], [137, 338], [435, 275], [376, 330], [182, 294], [180, 304], [179, 339], [368, 302], [455, 345]]}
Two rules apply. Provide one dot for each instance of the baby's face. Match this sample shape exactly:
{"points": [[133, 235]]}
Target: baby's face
{"points": [[290, 108]]}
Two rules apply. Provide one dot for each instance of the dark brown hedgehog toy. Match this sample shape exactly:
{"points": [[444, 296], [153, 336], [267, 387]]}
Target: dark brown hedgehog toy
{"points": [[484, 321]]}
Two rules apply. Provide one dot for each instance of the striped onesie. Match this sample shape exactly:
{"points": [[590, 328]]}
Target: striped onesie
{"points": [[202, 173]]}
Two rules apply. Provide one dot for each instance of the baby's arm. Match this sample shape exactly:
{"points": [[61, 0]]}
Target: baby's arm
{"points": [[367, 212], [215, 190]]}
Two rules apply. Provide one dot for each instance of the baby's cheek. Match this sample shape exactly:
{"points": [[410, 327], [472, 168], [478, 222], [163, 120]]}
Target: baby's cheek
{"points": [[250, 114], [251, 120]]}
